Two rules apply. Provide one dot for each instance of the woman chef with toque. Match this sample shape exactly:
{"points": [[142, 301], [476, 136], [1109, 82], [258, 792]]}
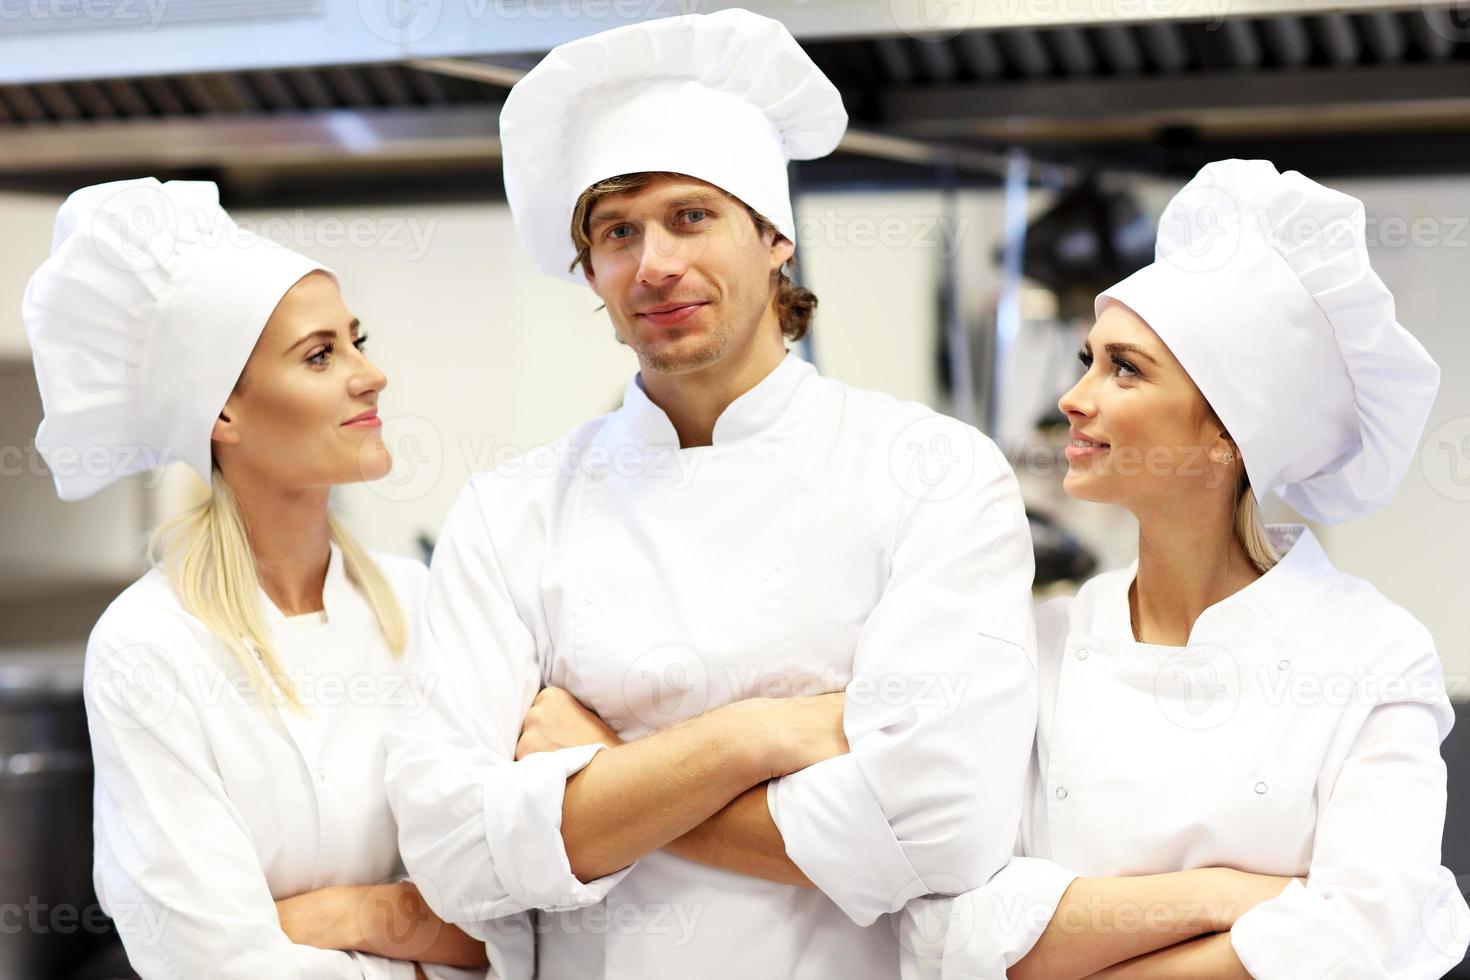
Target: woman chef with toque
{"points": [[1237, 768], [241, 824]]}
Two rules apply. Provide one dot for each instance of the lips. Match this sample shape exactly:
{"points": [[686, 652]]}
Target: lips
{"points": [[671, 313], [1082, 446], [367, 420]]}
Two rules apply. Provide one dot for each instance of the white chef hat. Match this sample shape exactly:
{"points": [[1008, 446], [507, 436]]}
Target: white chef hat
{"points": [[1261, 287], [140, 323], [727, 98]]}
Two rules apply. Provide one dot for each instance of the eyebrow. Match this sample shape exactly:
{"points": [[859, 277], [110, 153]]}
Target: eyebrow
{"points": [[602, 216], [1123, 349], [324, 333]]}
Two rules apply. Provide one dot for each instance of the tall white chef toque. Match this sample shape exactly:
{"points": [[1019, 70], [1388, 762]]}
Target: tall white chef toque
{"points": [[1261, 287], [727, 98], [140, 323]]}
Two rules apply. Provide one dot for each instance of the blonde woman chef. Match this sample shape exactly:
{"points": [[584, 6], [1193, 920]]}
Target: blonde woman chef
{"points": [[1236, 739], [237, 692]]}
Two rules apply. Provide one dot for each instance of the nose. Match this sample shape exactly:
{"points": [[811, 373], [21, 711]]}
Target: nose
{"points": [[662, 257], [367, 379], [1077, 401]]}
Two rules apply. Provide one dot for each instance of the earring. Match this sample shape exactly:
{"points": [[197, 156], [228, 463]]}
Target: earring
{"points": [[1229, 457]]}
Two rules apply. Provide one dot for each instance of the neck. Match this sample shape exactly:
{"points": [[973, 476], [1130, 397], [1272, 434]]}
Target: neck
{"points": [[290, 538], [694, 400], [1187, 562]]}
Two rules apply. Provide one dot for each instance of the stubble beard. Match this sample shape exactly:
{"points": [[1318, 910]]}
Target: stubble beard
{"points": [[682, 358]]}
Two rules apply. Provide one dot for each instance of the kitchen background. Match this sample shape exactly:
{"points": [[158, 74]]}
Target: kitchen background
{"points": [[1006, 160]]}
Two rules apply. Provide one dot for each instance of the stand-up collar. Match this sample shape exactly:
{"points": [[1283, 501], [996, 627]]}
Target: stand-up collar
{"points": [[1279, 595], [753, 412], [338, 594]]}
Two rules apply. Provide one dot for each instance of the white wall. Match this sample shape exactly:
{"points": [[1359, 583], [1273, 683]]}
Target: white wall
{"points": [[1417, 550]]}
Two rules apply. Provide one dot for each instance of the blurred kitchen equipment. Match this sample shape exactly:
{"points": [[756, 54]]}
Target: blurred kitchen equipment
{"points": [[51, 918]]}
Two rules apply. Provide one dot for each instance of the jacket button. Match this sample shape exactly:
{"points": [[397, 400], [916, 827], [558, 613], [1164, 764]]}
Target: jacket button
{"points": [[588, 598], [1061, 792], [1081, 653], [1283, 664], [1261, 788]]}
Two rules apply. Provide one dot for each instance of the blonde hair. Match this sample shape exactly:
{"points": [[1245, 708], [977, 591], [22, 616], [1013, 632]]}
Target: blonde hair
{"points": [[207, 557], [1250, 530], [795, 305]]}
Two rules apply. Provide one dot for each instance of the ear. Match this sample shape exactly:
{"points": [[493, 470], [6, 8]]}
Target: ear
{"points": [[782, 249], [225, 431], [1224, 451]]}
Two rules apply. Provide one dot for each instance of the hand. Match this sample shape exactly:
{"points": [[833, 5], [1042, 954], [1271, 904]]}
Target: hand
{"points": [[803, 731], [395, 921], [1237, 892], [558, 721], [325, 918]]}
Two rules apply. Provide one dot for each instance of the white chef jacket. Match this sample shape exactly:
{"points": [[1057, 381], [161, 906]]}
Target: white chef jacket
{"points": [[829, 539], [212, 803], [1297, 734]]}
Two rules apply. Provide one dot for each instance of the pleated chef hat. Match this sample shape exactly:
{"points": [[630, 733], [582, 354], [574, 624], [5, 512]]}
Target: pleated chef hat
{"points": [[727, 97], [1261, 287], [140, 323]]}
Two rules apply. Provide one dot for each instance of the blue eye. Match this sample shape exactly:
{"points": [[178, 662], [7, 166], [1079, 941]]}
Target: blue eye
{"points": [[320, 357], [695, 211], [617, 228]]}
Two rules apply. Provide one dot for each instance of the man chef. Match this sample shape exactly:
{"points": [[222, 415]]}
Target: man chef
{"points": [[813, 538]]}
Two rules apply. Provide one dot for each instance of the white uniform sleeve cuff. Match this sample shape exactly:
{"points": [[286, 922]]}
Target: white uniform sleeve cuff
{"points": [[378, 968], [984, 932], [1000, 922], [839, 837], [1296, 935], [523, 826]]}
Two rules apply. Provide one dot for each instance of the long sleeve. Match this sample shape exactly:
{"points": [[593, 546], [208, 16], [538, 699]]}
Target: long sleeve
{"points": [[479, 831], [982, 933], [1377, 903], [941, 708], [175, 866]]}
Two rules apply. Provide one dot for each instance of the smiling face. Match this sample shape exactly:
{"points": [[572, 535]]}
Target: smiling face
{"points": [[684, 273], [1142, 435], [304, 413]]}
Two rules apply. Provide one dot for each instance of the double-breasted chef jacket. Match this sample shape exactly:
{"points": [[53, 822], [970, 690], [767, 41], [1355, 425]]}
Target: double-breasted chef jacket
{"points": [[1297, 734], [830, 538], [213, 802]]}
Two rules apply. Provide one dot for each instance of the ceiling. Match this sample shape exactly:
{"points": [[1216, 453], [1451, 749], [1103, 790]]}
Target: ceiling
{"points": [[1381, 89]]}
